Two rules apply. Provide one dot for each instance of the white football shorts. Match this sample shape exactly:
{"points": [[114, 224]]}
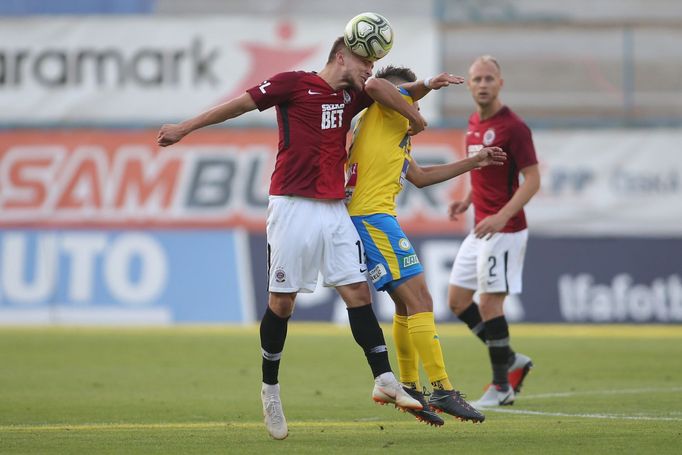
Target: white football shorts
{"points": [[307, 237], [491, 266]]}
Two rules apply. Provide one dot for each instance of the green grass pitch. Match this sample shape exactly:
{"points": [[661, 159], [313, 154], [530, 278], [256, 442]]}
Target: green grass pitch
{"points": [[597, 389]]}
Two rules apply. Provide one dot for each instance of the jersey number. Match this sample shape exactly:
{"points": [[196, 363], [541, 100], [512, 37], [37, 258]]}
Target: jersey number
{"points": [[492, 259], [360, 254], [263, 85]]}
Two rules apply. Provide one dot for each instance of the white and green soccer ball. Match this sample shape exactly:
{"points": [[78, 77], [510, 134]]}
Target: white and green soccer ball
{"points": [[369, 35]]}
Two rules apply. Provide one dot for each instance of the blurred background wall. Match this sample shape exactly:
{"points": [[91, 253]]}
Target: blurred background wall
{"points": [[100, 226]]}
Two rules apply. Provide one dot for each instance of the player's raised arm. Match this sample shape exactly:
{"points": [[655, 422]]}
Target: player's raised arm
{"points": [[420, 88], [430, 175], [387, 94], [171, 133]]}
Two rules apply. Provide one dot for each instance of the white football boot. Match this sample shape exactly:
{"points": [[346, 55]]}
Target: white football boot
{"points": [[493, 396], [272, 411], [387, 390]]}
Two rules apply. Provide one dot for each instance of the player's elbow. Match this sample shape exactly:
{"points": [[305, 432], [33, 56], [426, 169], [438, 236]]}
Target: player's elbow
{"points": [[535, 183], [417, 180], [373, 86], [531, 178]]}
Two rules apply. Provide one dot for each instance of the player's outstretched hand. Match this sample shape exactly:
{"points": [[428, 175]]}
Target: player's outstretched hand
{"points": [[443, 80], [457, 208], [169, 135], [490, 156], [490, 225], [418, 126]]}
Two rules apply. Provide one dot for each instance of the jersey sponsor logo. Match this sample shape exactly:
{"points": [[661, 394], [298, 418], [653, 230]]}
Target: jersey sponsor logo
{"points": [[310, 92], [404, 244], [489, 136], [332, 116], [377, 272], [403, 172], [410, 260], [348, 194], [351, 181]]}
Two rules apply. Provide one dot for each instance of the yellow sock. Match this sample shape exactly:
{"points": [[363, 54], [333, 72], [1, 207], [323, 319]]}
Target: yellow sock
{"points": [[422, 330], [408, 359]]}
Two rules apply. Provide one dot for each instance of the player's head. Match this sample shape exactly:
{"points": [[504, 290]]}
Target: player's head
{"points": [[396, 75], [485, 80], [354, 70]]}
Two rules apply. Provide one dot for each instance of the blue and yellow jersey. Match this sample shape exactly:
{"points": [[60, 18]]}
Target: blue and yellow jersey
{"points": [[378, 161]]}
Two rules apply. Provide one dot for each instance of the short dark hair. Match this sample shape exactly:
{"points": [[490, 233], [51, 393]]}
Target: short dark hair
{"points": [[396, 74], [339, 44]]}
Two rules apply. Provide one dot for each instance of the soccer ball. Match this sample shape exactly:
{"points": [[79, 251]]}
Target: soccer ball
{"points": [[369, 35]]}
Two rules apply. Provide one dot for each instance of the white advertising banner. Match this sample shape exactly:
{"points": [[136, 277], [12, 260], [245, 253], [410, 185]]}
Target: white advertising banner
{"points": [[130, 70], [613, 182]]}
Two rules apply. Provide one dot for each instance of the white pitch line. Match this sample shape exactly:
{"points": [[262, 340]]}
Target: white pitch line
{"points": [[601, 392], [585, 416], [592, 416]]}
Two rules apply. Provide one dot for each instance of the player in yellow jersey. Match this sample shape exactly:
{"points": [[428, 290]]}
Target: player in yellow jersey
{"points": [[378, 165]]}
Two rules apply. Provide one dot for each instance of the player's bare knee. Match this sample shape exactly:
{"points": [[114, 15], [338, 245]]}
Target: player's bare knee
{"points": [[424, 304], [459, 299], [358, 301], [355, 294], [457, 305], [401, 309], [282, 304], [491, 305]]}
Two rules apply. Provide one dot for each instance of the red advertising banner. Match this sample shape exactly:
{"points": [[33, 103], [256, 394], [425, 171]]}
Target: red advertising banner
{"points": [[216, 178]]}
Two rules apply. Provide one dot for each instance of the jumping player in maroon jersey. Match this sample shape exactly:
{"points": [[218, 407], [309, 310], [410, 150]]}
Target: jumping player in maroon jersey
{"points": [[490, 259], [308, 228]]}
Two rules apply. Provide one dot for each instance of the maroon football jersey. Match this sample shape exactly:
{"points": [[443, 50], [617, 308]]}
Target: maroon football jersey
{"points": [[493, 186], [313, 120]]}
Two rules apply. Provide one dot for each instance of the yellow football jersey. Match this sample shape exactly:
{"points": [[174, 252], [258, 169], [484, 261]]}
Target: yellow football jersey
{"points": [[378, 160]]}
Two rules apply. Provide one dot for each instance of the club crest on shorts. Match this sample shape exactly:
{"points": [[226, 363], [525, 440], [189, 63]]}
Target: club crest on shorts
{"points": [[280, 276], [404, 244], [488, 136]]}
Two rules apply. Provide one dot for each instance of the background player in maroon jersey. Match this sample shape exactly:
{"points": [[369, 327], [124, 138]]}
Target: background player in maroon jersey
{"points": [[490, 259], [308, 228]]}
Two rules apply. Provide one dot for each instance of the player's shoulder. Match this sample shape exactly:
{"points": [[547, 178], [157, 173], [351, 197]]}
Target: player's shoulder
{"points": [[512, 118], [298, 75], [474, 122]]}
